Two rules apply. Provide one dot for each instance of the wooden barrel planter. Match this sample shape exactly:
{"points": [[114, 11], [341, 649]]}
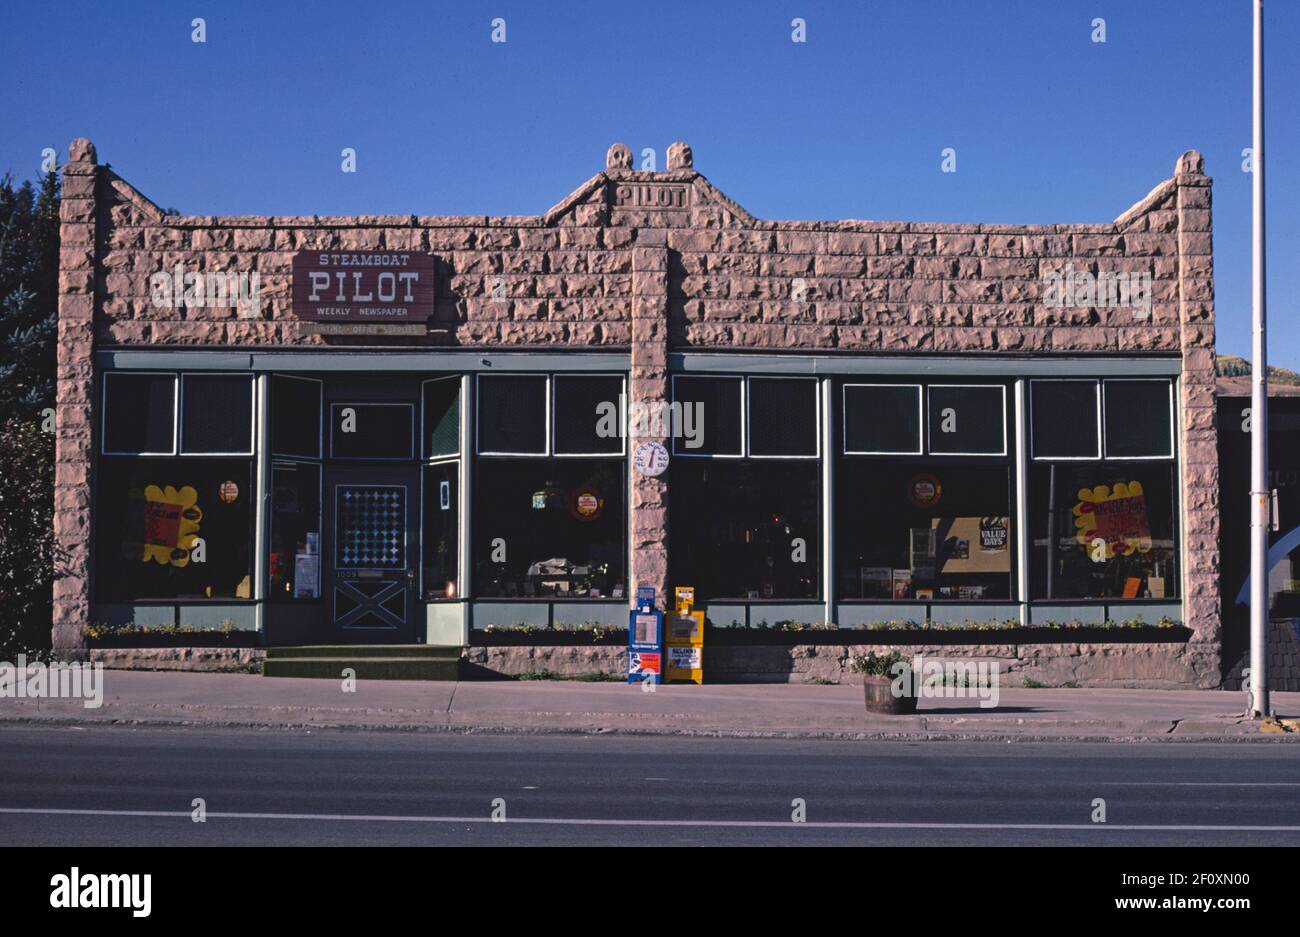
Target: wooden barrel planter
{"points": [[880, 698]]}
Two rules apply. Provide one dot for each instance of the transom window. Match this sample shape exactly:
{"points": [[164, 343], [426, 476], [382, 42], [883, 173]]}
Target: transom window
{"points": [[170, 414], [1107, 419], [381, 431], [540, 415], [934, 419], [745, 417]]}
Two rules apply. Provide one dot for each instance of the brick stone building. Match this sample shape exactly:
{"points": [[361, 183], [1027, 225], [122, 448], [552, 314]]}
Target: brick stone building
{"points": [[876, 422]]}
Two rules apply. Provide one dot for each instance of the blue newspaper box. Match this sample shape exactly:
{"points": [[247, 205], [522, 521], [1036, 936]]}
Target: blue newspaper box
{"points": [[645, 640]]}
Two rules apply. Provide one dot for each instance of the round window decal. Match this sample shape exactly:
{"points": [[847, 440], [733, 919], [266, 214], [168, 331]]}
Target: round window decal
{"points": [[586, 504], [228, 492], [924, 490]]}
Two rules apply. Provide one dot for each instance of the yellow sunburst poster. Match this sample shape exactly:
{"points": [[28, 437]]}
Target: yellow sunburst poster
{"points": [[1116, 516], [171, 523]]}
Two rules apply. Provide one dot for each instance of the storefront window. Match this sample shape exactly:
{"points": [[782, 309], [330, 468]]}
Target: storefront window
{"points": [[550, 518], [1102, 490], [440, 532], [745, 493], [923, 530], [174, 529], [923, 494], [295, 548], [746, 529], [1103, 531], [550, 528], [173, 519]]}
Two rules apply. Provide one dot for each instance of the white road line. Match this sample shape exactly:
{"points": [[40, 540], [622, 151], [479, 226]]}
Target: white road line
{"points": [[1195, 783], [587, 821]]}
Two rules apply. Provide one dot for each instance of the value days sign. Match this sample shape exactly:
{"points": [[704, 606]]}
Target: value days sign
{"points": [[362, 286]]}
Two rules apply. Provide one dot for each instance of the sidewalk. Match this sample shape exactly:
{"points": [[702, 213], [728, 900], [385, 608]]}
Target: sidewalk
{"points": [[748, 710]]}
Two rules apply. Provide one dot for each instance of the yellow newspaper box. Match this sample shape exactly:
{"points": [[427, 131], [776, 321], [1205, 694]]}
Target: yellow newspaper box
{"points": [[685, 641]]}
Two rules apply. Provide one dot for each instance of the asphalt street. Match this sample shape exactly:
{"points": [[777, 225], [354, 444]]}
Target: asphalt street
{"points": [[106, 785]]}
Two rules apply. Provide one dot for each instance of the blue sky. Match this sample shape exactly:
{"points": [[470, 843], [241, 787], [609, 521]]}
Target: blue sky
{"points": [[1048, 125]]}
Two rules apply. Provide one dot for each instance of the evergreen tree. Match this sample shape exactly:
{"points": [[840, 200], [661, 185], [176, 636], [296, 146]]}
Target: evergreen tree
{"points": [[29, 271]]}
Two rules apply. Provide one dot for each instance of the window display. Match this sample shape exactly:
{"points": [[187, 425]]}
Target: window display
{"points": [[295, 549], [440, 533], [1103, 531], [550, 528], [923, 531], [746, 529], [174, 529]]}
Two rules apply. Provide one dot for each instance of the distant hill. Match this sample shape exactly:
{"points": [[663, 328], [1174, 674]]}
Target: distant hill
{"points": [[1235, 366], [1234, 378]]}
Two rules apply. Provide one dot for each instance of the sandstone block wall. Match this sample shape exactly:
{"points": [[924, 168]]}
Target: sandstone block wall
{"points": [[654, 262]]}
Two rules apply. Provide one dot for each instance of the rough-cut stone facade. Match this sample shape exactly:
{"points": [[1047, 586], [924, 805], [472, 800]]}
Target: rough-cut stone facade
{"points": [[653, 262]]}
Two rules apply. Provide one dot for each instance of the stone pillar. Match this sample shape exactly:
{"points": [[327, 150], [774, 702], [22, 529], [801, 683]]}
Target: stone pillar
{"points": [[1199, 444], [648, 384], [73, 410]]}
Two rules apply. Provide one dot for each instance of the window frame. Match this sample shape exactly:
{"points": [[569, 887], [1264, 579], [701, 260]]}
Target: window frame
{"points": [[411, 457], [320, 419], [743, 415], [746, 436], [553, 421], [478, 423], [182, 377], [426, 464], [1101, 428], [104, 413], [1173, 446], [844, 420], [425, 457], [287, 462], [929, 410]]}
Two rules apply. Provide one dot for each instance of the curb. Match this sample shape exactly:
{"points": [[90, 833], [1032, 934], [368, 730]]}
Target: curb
{"points": [[877, 735]]}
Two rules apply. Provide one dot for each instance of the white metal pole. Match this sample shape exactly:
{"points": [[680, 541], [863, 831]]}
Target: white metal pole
{"points": [[1259, 497]]}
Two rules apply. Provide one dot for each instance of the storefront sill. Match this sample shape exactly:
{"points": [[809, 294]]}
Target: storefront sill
{"points": [[840, 637], [613, 638], [178, 639]]}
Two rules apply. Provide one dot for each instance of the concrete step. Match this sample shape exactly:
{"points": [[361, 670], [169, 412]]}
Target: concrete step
{"points": [[366, 668], [357, 651]]}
